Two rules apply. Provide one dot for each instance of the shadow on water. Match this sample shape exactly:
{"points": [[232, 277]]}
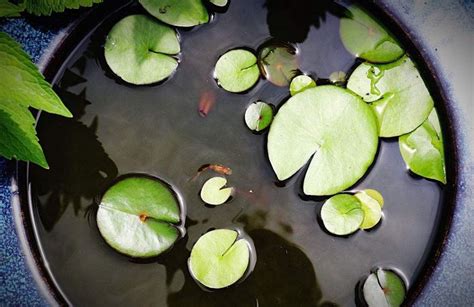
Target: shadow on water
{"points": [[291, 20], [79, 165]]}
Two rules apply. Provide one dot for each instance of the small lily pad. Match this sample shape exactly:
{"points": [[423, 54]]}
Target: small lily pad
{"points": [[337, 77], [140, 50], [396, 93], [182, 13], [301, 83], [218, 259], [423, 151], [237, 70], [327, 125], [220, 3], [342, 214], [278, 62], [366, 38], [371, 203], [136, 216], [384, 288], [258, 116], [214, 193]]}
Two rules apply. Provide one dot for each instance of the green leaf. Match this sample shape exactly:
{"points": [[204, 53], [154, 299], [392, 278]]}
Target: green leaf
{"points": [[214, 193], [218, 259], [384, 288], [365, 38], [136, 216], [423, 151], [258, 116], [236, 70], [301, 83], [47, 7], [371, 203], [140, 50], [182, 13], [397, 95], [337, 77], [220, 3], [342, 214], [8, 9], [278, 62], [330, 123]]}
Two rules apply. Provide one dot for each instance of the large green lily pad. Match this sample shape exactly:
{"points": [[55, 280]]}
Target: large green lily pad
{"points": [[140, 50], [384, 288], [397, 95], [180, 13], [218, 259], [136, 216], [237, 70], [423, 151], [332, 124], [365, 38]]}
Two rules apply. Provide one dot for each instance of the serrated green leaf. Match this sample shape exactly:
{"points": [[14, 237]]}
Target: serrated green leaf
{"points": [[8, 9], [47, 7]]}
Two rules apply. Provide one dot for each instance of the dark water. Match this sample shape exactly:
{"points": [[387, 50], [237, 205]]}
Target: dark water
{"points": [[119, 129]]}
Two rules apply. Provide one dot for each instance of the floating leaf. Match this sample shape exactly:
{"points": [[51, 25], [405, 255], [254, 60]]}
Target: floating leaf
{"points": [[140, 50], [337, 77], [342, 214], [258, 116], [384, 288], [422, 149], [332, 124], [371, 203], [218, 259], [236, 70], [366, 38], [182, 13], [301, 83], [278, 62], [397, 95], [213, 191], [220, 3], [136, 216]]}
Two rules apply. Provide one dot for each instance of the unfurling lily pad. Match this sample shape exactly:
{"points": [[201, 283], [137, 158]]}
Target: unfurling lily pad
{"points": [[140, 50], [301, 83], [214, 193], [136, 216], [278, 62], [182, 13], [331, 125], [366, 38], [220, 3], [337, 77], [237, 70], [342, 214], [397, 95], [384, 288], [422, 149], [258, 116], [218, 259], [371, 203]]}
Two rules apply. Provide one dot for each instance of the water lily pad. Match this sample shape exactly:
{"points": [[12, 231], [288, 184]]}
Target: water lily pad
{"points": [[397, 95], [330, 123], [371, 203], [182, 13], [384, 288], [140, 50], [337, 77], [278, 62], [301, 83], [218, 259], [342, 214], [220, 3], [213, 191], [237, 70], [136, 216], [366, 38], [258, 116]]}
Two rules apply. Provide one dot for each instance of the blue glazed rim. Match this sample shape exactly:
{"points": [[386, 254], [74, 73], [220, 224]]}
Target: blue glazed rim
{"points": [[67, 41]]}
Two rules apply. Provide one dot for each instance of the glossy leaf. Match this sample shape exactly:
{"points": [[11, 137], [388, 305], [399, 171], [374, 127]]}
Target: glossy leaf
{"points": [[337, 77], [278, 62], [220, 3], [219, 259], [397, 95], [214, 193], [301, 83], [182, 13], [423, 151], [236, 70], [136, 216], [366, 38], [384, 288], [140, 50], [258, 116], [327, 125], [371, 203], [342, 214]]}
